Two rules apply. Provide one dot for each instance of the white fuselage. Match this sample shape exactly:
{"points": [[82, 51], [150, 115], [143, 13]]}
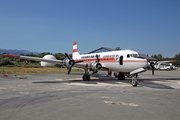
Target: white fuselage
{"points": [[122, 60]]}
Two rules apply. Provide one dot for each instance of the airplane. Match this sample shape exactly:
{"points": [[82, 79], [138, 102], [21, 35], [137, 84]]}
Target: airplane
{"points": [[125, 61]]}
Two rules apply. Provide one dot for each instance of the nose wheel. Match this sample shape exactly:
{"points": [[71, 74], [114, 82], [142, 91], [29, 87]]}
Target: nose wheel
{"points": [[134, 81]]}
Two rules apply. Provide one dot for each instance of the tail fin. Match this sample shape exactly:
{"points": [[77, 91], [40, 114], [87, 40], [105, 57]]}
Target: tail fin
{"points": [[76, 54]]}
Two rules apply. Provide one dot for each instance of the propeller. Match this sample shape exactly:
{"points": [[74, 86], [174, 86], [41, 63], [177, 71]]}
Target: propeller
{"points": [[98, 66], [152, 65], [71, 62]]}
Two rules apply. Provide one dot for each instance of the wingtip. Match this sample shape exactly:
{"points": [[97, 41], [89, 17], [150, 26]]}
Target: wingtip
{"points": [[9, 55]]}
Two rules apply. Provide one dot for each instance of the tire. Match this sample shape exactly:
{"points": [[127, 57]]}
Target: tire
{"points": [[121, 77], [168, 69], [86, 77], [134, 82]]}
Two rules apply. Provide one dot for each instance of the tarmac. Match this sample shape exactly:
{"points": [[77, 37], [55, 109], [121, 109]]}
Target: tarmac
{"points": [[62, 97]]}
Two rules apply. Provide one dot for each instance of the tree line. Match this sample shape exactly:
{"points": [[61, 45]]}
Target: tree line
{"points": [[60, 56], [161, 58]]}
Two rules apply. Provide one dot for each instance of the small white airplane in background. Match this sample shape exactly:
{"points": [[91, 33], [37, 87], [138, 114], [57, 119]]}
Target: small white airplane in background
{"points": [[124, 61]]}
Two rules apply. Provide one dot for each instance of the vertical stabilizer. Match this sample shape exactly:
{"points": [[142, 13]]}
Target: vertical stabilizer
{"points": [[76, 54]]}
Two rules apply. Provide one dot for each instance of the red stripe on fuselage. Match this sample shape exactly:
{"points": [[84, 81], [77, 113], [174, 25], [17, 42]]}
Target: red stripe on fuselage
{"points": [[9, 55], [108, 60], [133, 61]]}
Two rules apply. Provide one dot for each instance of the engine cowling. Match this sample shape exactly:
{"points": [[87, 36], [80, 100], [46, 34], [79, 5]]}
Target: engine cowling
{"points": [[44, 64], [95, 65], [66, 62]]}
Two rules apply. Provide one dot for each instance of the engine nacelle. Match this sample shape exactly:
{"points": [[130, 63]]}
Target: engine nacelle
{"points": [[95, 65], [44, 64], [66, 62]]}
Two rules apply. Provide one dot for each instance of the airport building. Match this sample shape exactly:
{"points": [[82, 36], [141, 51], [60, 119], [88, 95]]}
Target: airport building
{"points": [[102, 49]]}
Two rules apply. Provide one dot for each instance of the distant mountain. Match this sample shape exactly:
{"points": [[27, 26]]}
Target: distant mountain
{"points": [[17, 52]]}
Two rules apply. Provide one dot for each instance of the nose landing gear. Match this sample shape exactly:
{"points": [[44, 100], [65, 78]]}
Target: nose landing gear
{"points": [[134, 81]]}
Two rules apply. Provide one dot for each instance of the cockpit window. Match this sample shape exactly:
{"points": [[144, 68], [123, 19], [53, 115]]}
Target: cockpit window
{"points": [[134, 55], [128, 55]]}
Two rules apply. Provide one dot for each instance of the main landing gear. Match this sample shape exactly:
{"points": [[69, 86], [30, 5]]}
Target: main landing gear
{"points": [[121, 76], [86, 77]]}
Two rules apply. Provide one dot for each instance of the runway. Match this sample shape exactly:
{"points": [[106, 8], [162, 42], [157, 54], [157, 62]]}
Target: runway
{"points": [[62, 97]]}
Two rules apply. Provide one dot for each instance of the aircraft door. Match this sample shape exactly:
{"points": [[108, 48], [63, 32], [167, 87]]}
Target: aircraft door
{"points": [[121, 60]]}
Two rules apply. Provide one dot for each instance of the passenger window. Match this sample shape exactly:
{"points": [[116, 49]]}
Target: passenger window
{"points": [[128, 55]]}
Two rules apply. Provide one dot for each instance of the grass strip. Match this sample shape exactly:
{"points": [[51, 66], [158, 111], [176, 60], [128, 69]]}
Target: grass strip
{"points": [[33, 71]]}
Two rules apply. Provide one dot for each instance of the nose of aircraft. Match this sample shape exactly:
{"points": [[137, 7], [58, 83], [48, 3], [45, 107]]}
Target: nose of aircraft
{"points": [[144, 62]]}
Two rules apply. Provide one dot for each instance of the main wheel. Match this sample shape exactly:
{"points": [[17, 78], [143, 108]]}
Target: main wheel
{"points": [[86, 77], [121, 76]]}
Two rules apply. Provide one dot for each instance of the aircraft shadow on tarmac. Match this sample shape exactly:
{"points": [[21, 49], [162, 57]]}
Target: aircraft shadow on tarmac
{"points": [[113, 81]]}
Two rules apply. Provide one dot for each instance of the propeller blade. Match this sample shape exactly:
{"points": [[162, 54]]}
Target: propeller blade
{"points": [[67, 55], [79, 61], [69, 70], [95, 71], [153, 70], [97, 58], [152, 65], [105, 68]]}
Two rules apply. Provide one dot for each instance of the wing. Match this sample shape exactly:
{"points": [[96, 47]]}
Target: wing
{"points": [[166, 61], [36, 59], [83, 65]]}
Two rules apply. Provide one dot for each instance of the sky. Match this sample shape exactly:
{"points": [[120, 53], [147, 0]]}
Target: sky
{"points": [[146, 26]]}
